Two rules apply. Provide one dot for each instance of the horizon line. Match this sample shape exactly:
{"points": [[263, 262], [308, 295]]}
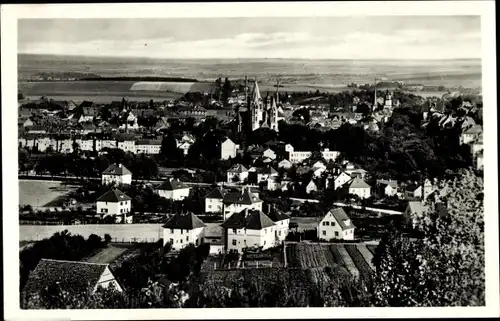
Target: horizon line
{"points": [[247, 58]]}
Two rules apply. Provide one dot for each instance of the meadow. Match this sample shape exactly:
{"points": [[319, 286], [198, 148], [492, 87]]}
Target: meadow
{"points": [[40, 193]]}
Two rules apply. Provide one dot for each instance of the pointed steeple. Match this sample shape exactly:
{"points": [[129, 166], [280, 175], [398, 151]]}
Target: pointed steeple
{"points": [[256, 93]]}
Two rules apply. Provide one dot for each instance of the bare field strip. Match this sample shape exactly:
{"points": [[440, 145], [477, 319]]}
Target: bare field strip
{"points": [[107, 255], [367, 255], [348, 262]]}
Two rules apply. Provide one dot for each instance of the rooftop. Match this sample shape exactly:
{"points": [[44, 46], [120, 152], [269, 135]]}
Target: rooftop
{"points": [[249, 219], [341, 217], [171, 185], [184, 221], [114, 196], [114, 169]]}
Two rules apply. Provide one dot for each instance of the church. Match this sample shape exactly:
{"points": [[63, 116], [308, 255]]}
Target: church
{"points": [[260, 113]]}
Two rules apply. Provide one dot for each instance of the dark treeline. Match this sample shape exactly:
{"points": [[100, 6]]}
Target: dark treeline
{"points": [[135, 78]]}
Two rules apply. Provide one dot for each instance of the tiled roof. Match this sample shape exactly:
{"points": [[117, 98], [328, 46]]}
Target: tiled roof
{"points": [[114, 169], [148, 142], [238, 168], [184, 221], [357, 183], [245, 197], [114, 196], [276, 215], [217, 193], [249, 219], [72, 276], [341, 216], [267, 170], [171, 185]]}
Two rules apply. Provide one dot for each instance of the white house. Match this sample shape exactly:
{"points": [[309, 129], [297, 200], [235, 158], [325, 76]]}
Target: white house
{"points": [[85, 144], [265, 173], [282, 222], [289, 148], [182, 230], [335, 225], [286, 164], [340, 180], [237, 173], [479, 161], [413, 211], [228, 149], [388, 187], [311, 187], [127, 145], [329, 155], [173, 190], [213, 200], [298, 157], [249, 229], [116, 174], [418, 191], [115, 202], [148, 146], [470, 134], [130, 122], [269, 153], [359, 187], [234, 202]]}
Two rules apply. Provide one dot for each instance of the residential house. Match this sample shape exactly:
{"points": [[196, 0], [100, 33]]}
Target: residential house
{"points": [[173, 189], [105, 143], [298, 157], [418, 191], [265, 173], [116, 203], [116, 174], [148, 146], [129, 122], [182, 230], [286, 164], [28, 123], [85, 144], [282, 222], [65, 146], [234, 202], [470, 134], [477, 145], [75, 277], [127, 145], [388, 187], [214, 200], [269, 153], [340, 180], [249, 229], [36, 129], [358, 187], [228, 149], [329, 155], [237, 173], [479, 161], [413, 212], [335, 225], [311, 187]]}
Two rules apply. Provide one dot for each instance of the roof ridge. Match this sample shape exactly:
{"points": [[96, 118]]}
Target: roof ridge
{"points": [[67, 261]]}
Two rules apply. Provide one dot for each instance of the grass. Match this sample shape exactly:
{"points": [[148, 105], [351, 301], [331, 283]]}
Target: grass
{"points": [[40, 193], [107, 254]]}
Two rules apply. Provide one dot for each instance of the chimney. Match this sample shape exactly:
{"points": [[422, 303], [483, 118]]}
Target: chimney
{"points": [[120, 165], [268, 208]]}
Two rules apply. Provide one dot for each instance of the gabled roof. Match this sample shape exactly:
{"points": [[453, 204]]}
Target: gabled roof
{"points": [[114, 196], [249, 219], [184, 221], [416, 207], [114, 169], [341, 218], [393, 184], [238, 168], [476, 129], [267, 170], [276, 215], [357, 183], [171, 185], [244, 197], [72, 276], [217, 193]]}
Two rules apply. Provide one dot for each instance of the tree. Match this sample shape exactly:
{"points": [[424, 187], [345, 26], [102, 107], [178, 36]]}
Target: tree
{"points": [[107, 238], [446, 266], [169, 148]]}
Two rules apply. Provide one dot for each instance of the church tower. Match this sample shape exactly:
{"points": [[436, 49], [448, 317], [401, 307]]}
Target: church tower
{"points": [[273, 115], [255, 107], [388, 100]]}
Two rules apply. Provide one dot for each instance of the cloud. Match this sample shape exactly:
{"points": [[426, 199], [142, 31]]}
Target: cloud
{"points": [[408, 43]]}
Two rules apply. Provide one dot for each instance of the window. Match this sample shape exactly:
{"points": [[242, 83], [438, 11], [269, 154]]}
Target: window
{"points": [[245, 242], [171, 231], [171, 241], [333, 223], [265, 231], [327, 223], [234, 231], [324, 232], [187, 238], [181, 241], [336, 233], [234, 242], [121, 203], [279, 233], [209, 206], [182, 231], [264, 242]]}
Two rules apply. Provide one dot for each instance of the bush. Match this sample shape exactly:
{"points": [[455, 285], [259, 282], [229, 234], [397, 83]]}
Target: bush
{"points": [[107, 238]]}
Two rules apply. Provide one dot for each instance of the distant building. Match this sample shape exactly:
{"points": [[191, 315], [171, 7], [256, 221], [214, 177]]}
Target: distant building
{"points": [[340, 180], [358, 187], [249, 229], [286, 164], [388, 187], [311, 187], [116, 174], [148, 146], [413, 211], [234, 202], [73, 277], [335, 225], [213, 200], [414, 191], [282, 222], [182, 230], [238, 173], [173, 189], [470, 134], [116, 203], [266, 172], [127, 145], [228, 149]]}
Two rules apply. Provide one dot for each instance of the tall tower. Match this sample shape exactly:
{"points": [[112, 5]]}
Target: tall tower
{"points": [[277, 92], [255, 107], [388, 100], [375, 95], [273, 115]]}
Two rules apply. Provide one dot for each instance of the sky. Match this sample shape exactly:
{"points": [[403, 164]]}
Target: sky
{"points": [[391, 37]]}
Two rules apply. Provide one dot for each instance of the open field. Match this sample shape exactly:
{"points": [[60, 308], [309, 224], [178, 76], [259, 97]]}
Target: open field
{"points": [[40, 193], [107, 254]]}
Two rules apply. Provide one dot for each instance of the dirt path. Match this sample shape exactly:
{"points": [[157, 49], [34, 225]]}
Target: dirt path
{"points": [[106, 255]]}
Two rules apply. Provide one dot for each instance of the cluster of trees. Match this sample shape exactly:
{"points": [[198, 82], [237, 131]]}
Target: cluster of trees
{"points": [[60, 246]]}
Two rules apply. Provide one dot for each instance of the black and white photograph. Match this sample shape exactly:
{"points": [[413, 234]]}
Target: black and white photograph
{"points": [[265, 155]]}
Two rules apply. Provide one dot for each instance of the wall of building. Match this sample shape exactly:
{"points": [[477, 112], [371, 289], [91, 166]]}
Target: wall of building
{"points": [[177, 195], [236, 208], [181, 238], [333, 230], [114, 208], [228, 150], [116, 179], [106, 279], [213, 205], [249, 238], [361, 192]]}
